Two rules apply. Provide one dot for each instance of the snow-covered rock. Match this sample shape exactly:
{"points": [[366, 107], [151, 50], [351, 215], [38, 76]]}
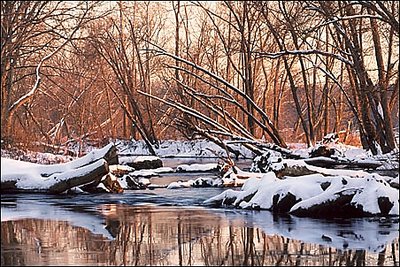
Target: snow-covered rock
{"points": [[180, 184], [235, 177], [208, 182], [133, 183], [269, 161], [120, 170], [141, 162], [196, 167]]}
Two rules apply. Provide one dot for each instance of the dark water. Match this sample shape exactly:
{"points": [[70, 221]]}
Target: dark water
{"points": [[173, 227]]}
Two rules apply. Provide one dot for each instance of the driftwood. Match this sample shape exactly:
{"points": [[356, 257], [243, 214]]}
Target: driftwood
{"points": [[85, 172]]}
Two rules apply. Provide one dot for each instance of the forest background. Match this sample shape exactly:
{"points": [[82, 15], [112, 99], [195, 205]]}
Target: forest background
{"points": [[279, 71]]}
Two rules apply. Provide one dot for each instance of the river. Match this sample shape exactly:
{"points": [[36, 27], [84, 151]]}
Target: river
{"points": [[174, 227]]}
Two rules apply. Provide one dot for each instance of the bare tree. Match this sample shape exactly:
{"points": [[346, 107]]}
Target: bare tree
{"points": [[31, 34]]}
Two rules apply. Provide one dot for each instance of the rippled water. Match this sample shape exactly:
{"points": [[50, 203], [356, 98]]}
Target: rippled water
{"points": [[173, 227]]}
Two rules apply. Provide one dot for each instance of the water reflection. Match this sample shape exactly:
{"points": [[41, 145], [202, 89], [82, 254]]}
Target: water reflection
{"points": [[370, 234], [151, 235]]}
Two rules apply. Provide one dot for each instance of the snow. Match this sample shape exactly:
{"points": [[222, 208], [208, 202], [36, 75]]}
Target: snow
{"points": [[143, 173], [163, 170], [122, 182], [35, 157], [229, 193], [395, 180], [251, 186], [29, 175], [124, 160], [144, 181], [145, 158], [81, 171], [257, 188], [237, 177], [77, 190], [102, 186], [333, 172], [306, 187], [348, 153], [118, 167], [372, 189], [197, 167], [207, 182], [180, 184], [151, 172], [87, 159], [45, 170], [380, 111], [330, 136]]}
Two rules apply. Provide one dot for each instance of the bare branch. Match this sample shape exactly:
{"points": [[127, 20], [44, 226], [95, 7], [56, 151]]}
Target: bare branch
{"points": [[303, 52]]}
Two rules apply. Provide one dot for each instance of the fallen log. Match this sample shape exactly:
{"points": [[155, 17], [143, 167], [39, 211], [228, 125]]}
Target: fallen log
{"points": [[88, 174], [328, 162], [108, 153], [19, 176]]}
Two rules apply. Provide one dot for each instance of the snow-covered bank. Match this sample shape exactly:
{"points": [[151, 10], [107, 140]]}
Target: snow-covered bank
{"points": [[295, 187], [167, 149], [173, 148], [314, 195], [129, 150]]}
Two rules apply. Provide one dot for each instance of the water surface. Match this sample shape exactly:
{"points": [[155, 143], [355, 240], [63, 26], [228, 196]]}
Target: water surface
{"points": [[173, 227]]}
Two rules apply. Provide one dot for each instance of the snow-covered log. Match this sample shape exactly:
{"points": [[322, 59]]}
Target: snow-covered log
{"points": [[108, 153], [329, 162], [273, 161], [88, 174], [20, 176]]}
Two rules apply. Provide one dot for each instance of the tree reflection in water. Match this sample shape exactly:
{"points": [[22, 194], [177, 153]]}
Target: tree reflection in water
{"points": [[148, 235]]}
